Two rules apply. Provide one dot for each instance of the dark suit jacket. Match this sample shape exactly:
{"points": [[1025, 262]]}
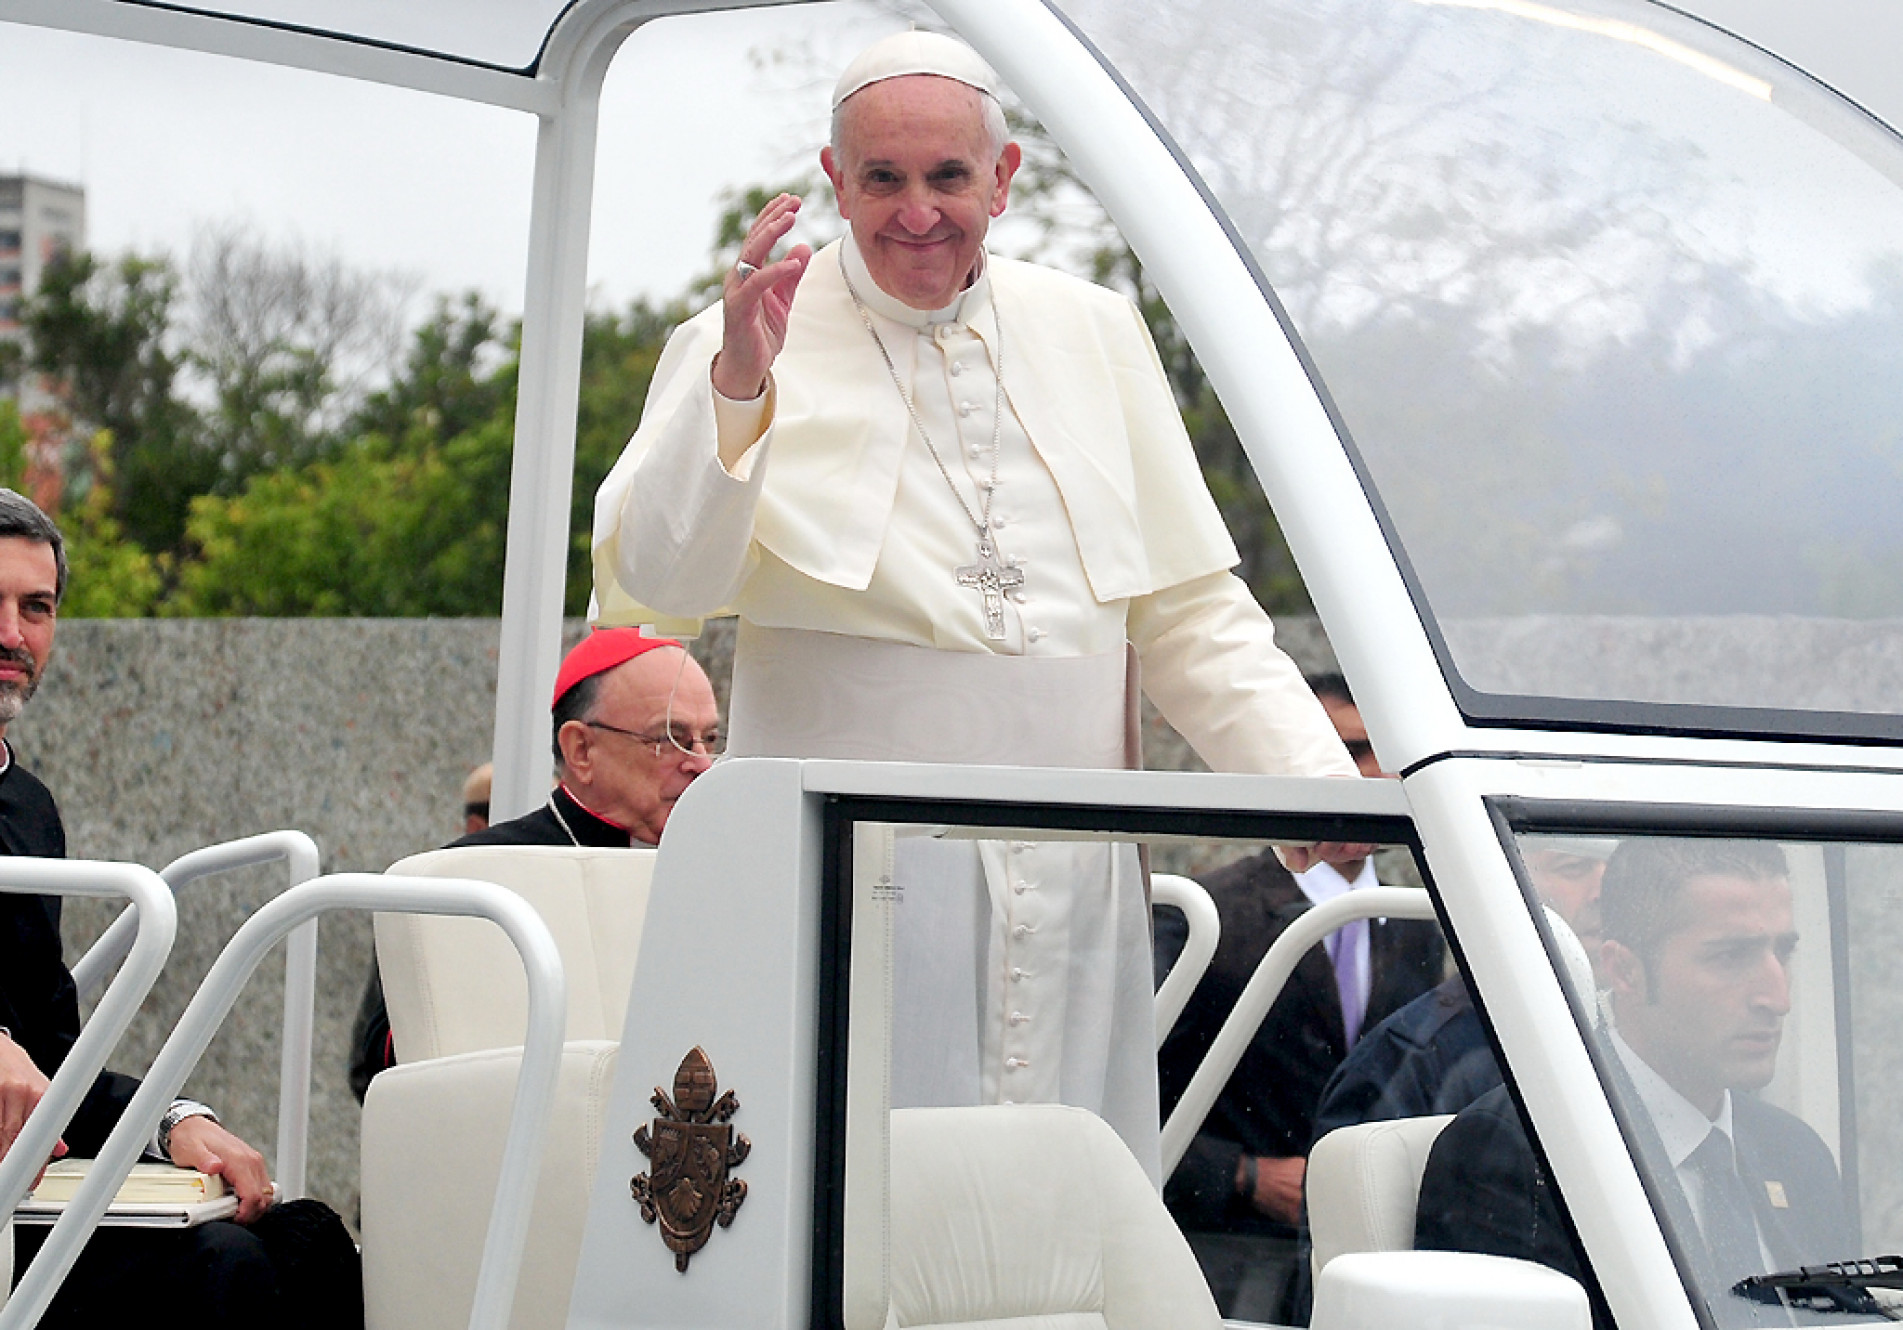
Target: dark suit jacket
{"points": [[1268, 1107], [1483, 1190], [38, 1005], [1428, 1058]]}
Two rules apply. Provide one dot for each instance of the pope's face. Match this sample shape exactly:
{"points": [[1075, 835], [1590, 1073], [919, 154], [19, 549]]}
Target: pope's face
{"points": [[1706, 1008], [916, 177]]}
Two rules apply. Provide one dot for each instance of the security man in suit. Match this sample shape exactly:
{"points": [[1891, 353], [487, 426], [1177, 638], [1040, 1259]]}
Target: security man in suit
{"points": [[1696, 956]]}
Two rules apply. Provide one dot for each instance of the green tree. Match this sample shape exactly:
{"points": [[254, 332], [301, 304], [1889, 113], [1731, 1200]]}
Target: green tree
{"points": [[281, 343], [13, 441], [103, 333], [411, 516], [109, 576], [449, 382], [619, 353]]}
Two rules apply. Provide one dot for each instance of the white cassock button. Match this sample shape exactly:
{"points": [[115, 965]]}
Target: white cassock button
{"points": [[965, 408], [1017, 1018], [1035, 634], [1015, 1063], [957, 369], [997, 524], [1020, 598], [1019, 974], [1023, 930], [977, 450]]}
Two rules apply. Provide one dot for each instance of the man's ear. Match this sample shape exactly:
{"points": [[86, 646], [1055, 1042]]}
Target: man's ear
{"points": [[1008, 162], [829, 163], [578, 750], [1623, 971]]}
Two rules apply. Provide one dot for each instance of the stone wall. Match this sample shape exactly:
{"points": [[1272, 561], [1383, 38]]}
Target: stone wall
{"points": [[158, 737]]}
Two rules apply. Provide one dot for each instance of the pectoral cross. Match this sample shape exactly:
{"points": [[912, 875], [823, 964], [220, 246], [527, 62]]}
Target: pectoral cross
{"points": [[991, 579]]}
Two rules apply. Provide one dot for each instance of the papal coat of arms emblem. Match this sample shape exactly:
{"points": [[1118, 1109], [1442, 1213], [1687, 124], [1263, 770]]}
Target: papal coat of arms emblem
{"points": [[689, 1152]]}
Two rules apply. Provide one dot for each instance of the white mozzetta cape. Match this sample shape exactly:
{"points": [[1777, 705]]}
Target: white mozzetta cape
{"points": [[1083, 379], [794, 536]]}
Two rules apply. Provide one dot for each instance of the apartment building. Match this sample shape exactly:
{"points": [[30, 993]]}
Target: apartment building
{"points": [[39, 221]]}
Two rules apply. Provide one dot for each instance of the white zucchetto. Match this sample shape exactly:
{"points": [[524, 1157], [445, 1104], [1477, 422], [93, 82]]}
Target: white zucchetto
{"points": [[915, 53]]}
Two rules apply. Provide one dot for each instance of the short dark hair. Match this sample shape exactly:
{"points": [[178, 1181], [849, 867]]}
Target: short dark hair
{"points": [[1330, 684], [1646, 873], [21, 517], [578, 703]]}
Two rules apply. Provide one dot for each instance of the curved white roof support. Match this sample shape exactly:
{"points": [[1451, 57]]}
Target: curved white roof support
{"points": [[580, 50]]}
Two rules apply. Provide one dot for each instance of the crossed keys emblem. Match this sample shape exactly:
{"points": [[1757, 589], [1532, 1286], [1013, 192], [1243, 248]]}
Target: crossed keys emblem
{"points": [[689, 1152]]}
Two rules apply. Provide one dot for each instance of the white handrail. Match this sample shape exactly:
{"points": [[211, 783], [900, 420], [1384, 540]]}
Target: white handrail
{"points": [[156, 926], [1259, 994], [299, 853], [1205, 932], [528, 1122]]}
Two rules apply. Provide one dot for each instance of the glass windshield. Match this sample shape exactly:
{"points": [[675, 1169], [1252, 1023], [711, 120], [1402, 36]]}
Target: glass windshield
{"points": [[998, 972], [1611, 307], [1735, 995]]}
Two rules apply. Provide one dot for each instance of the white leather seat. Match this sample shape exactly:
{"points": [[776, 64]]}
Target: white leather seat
{"points": [[433, 1125], [455, 985], [1363, 1184], [1035, 1215]]}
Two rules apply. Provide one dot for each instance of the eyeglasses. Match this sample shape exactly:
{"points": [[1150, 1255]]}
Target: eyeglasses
{"points": [[676, 742]]}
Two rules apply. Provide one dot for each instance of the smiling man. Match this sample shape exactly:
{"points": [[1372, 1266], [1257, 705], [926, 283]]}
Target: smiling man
{"points": [[945, 493]]}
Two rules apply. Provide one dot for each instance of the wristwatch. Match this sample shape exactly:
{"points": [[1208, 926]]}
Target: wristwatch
{"points": [[177, 1113]]}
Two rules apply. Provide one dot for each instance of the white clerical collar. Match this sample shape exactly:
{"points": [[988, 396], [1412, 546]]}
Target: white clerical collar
{"points": [[1682, 1125], [963, 309], [1324, 882]]}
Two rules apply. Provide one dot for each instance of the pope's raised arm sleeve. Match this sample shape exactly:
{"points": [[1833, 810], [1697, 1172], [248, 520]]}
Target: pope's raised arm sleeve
{"points": [[1211, 665], [673, 525]]}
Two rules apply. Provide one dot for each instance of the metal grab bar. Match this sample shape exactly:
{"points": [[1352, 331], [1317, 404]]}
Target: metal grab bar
{"points": [[299, 853], [156, 925], [1205, 932], [1259, 994], [528, 1122]]}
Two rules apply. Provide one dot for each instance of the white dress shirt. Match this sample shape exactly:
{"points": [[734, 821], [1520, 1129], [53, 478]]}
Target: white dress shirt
{"points": [[1682, 1127]]}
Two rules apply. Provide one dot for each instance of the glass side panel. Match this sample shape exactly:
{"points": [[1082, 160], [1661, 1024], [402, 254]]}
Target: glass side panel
{"points": [[1611, 306], [997, 972], [505, 33], [1736, 993]]}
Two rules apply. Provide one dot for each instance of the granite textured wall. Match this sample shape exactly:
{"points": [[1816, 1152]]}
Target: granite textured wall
{"points": [[158, 737]]}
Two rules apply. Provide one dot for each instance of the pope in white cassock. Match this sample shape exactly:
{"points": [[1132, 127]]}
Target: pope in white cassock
{"points": [[942, 491]]}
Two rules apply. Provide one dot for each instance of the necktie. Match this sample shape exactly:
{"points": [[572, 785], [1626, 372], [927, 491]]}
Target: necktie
{"points": [[1347, 951], [1730, 1231]]}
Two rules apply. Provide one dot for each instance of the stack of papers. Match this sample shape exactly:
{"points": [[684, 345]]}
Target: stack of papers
{"points": [[152, 1196]]}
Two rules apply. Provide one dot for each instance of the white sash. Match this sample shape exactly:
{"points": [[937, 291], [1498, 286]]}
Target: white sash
{"points": [[798, 693]]}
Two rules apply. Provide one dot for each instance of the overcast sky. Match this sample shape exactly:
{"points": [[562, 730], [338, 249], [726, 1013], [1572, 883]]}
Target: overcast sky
{"points": [[168, 142]]}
